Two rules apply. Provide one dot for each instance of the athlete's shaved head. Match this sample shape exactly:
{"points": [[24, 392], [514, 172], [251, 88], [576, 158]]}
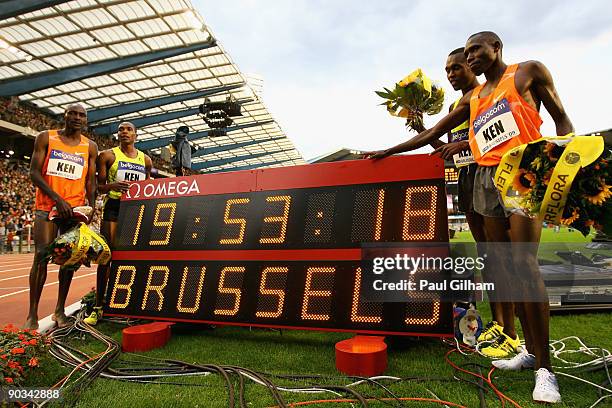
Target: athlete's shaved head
{"points": [[488, 36], [456, 51], [75, 117], [126, 133], [123, 124], [482, 50], [457, 71]]}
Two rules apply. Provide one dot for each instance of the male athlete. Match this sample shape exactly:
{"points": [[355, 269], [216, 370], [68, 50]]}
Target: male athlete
{"points": [[462, 78], [63, 169], [509, 103], [117, 167]]}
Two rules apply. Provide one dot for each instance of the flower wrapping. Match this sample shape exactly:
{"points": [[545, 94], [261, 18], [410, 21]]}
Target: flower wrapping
{"points": [[563, 180], [412, 97], [79, 245]]}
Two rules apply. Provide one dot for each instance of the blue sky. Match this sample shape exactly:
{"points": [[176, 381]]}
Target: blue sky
{"points": [[322, 60]]}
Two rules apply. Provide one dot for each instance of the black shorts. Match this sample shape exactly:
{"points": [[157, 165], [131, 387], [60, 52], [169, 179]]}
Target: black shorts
{"points": [[465, 187], [111, 210]]}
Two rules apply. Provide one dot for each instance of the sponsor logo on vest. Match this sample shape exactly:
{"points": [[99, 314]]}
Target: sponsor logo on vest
{"points": [[131, 166], [60, 155], [460, 135], [554, 207]]}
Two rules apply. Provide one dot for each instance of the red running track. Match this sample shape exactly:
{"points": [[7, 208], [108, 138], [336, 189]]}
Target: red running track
{"points": [[15, 292]]}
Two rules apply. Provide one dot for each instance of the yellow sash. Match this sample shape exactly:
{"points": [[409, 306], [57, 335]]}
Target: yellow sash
{"points": [[580, 151]]}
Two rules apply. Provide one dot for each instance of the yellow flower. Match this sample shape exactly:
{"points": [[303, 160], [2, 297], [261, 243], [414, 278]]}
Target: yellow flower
{"points": [[568, 221], [537, 163], [601, 197], [521, 180], [410, 78]]}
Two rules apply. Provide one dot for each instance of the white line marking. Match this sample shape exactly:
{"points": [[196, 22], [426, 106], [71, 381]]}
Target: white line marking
{"points": [[25, 276], [47, 284]]}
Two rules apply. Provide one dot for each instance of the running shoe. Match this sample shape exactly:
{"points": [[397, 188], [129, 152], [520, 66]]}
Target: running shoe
{"points": [[520, 361], [491, 332], [502, 347], [546, 388], [93, 318]]}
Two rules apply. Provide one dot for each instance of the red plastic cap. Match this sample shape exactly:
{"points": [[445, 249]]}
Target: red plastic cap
{"points": [[364, 356], [145, 337]]}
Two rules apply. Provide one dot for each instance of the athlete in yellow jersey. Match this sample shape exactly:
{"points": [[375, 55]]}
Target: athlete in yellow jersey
{"points": [[117, 167]]}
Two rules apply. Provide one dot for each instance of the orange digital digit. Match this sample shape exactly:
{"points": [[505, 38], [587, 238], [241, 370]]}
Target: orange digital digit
{"points": [[198, 293], [355, 316], [237, 292], [426, 301], [427, 209], [122, 286], [279, 293], [379, 214], [156, 288], [308, 293], [433, 302], [234, 221], [282, 219], [166, 224], [137, 231]]}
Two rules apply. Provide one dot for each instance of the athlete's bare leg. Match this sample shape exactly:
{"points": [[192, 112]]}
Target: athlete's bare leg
{"points": [[535, 314], [44, 232], [108, 230], [65, 278], [500, 273], [476, 223]]}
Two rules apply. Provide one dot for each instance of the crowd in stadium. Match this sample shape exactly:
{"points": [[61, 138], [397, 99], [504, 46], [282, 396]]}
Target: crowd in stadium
{"points": [[16, 202]]}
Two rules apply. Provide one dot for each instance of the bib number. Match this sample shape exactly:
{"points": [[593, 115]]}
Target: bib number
{"points": [[465, 157], [66, 165], [127, 171], [495, 126]]}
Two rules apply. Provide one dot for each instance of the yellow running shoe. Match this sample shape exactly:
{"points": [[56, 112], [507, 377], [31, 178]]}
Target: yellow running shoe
{"points": [[502, 347], [94, 316], [491, 332]]}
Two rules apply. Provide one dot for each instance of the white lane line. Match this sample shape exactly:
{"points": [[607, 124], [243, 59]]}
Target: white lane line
{"points": [[27, 268], [14, 287], [16, 264], [26, 276], [15, 261], [48, 284]]}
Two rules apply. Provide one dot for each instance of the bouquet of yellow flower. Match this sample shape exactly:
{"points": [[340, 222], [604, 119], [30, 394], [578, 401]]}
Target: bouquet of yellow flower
{"points": [[413, 96], [563, 180]]}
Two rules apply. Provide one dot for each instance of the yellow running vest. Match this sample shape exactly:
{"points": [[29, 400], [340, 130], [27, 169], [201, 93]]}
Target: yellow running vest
{"points": [[459, 134], [126, 169]]}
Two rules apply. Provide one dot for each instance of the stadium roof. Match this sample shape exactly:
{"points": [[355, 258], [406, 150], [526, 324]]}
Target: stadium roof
{"points": [[148, 61]]}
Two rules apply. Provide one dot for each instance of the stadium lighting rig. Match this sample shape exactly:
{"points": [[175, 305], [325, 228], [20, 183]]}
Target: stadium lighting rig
{"points": [[218, 115]]}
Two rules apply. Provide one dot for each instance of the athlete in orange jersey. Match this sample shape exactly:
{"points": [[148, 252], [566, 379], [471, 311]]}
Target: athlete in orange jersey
{"points": [[504, 113], [63, 169]]}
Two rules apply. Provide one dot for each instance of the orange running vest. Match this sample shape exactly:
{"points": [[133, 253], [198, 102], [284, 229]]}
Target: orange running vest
{"points": [[65, 171], [501, 121]]}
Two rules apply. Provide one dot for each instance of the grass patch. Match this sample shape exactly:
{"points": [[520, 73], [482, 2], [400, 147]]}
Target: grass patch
{"points": [[305, 352]]}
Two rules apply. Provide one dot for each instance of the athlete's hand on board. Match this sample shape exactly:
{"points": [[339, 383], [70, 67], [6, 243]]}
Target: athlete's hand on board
{"points": [[376, 154], [122, 186], [448, 150]]}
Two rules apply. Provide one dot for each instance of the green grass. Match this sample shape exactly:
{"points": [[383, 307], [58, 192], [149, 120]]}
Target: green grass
{"points": [[304, 352]]}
